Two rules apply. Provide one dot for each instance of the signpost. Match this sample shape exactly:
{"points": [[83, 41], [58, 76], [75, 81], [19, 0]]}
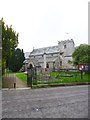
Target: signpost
{"points": [[84, 68]]}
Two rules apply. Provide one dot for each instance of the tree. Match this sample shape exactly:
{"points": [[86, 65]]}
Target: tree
{"points": [[81, 54], [9, 43], [69, 62], [16, 60]]}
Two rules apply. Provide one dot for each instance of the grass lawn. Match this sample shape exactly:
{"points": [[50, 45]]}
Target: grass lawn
{"points": [[22, 76], [59, 77], [74, 76]]}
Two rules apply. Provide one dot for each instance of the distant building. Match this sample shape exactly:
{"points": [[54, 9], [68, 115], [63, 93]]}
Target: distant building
{"points": [[53, 57]]}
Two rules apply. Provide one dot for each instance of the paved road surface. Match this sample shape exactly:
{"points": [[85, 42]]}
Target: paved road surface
{"points": [[59, 102]]}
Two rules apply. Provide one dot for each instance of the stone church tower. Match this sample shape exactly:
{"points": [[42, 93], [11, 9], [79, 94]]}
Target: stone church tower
{"points": [[66, 49]]}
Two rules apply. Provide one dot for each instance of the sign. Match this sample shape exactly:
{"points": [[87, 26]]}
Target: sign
{"points": [[81, 67], [84, 67]]}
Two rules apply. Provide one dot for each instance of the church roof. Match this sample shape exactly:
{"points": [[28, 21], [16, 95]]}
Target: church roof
{"points": [[47, 50], [51, 49], [34, 61]]}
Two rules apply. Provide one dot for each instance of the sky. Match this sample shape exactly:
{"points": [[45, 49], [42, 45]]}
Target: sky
{"points": [[42, 23]]}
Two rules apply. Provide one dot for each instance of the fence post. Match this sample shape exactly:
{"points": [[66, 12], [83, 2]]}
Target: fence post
{"points": [[30, 75], [14, 85], [14, 77], [81, 74]]}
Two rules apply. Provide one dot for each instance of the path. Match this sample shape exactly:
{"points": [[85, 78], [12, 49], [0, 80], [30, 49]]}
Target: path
{"points": [[10, 79]]}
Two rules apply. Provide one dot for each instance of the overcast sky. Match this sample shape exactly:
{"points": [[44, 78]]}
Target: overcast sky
{"points": [[42, 23]]}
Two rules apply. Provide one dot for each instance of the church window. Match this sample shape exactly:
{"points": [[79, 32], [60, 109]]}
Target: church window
{"points": [[47, 65], [64, 46], [61, 53], [30, 66], [53, 62], [60, 63], [52, 54]]}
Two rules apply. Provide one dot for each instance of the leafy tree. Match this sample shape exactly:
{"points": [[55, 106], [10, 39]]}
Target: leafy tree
{"points": [[16, 60], [69, 62], [9, 43], [81, 54]]}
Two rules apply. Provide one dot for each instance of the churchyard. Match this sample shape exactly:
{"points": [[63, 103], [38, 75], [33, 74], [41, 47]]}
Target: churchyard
{"points": [[34, 78], [56, 78]]}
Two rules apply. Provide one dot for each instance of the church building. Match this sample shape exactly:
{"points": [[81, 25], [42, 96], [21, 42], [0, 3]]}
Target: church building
{"points": [[53, 57]]}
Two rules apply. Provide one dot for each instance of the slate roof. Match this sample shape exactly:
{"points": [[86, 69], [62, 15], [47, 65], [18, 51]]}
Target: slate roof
{"points": [[41, 51], [35, 62]]}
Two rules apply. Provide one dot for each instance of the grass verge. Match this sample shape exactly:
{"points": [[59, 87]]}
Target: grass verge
{"points": [[22, 76]]}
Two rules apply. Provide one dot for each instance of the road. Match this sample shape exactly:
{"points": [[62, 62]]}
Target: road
{"points": [[57, 102]]}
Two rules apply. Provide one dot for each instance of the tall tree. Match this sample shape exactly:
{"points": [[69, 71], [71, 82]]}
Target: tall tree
{"points": [[81, 54], [9, 42], [16, 60]]}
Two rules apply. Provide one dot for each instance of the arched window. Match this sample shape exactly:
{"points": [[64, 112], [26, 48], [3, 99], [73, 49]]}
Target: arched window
{"points": [[47, 65], [60, 63], [31, 66], [64, 46]]}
